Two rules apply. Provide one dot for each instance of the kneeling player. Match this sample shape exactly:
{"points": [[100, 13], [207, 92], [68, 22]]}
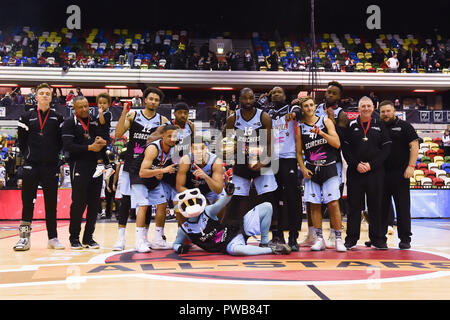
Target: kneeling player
{"points": [[204, 229]]}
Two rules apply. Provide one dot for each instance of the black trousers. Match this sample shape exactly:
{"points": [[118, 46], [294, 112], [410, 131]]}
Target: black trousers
{"points": [[397, 187], [359, 185], [287, 197], [85, 193], [46, 175]]}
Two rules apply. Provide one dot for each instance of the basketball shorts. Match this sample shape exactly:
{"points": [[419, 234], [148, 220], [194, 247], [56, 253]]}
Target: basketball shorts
{"points": [[141, 196], [263, 184]]}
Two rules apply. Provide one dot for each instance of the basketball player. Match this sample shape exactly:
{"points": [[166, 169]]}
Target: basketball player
{"points": [[155, 165], [201, 169], [284, 122], [140, 124], [252, 130], [318, 139], [330, 109], [39, 135]]}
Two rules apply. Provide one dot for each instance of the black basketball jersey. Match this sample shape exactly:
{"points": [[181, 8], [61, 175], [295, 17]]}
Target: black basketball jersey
{"points": [[192, 182], [184, 138], [141, 128], [210, 234], [317, 150], [248, 135], [162, 160]]}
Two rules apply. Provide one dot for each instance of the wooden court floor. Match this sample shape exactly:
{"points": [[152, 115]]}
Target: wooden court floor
{"points": [[422, 273]]}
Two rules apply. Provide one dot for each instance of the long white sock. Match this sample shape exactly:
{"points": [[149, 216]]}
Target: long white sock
{"points": [[146, 233], [140, 233], [159, 232], [122, 233], [311, 230]]}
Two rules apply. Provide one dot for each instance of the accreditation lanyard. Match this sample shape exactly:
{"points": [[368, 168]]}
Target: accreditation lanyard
{"points": [[365, 130], [85, 127], [42, 124]]}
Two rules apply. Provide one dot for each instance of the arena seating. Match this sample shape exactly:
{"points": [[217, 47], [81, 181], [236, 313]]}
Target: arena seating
{"points": [[59, 46], [368, 55]]}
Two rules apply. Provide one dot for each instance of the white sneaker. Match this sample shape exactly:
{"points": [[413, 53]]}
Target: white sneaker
{"points": [[119, 245], [390, 230], [309, 240], [339, 244], [99, 170], [55, 244], [319, 245], [23, 244], [160, 244], [141, 246], [109, 172], [331, 242], [148, 243]]}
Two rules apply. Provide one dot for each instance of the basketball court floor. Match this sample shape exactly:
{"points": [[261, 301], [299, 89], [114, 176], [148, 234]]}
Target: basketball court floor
{"points": [[422, 273]]}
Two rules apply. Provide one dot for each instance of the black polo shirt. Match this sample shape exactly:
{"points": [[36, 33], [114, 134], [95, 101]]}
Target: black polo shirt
{"points": [[374, 151], [402, 134]]}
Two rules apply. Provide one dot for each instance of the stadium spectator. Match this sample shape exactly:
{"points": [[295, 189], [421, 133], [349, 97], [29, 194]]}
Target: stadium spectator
{"points": [[6, 100], [446, 141], [393, 63], [69, 98], [248, 60], [136, 102]]}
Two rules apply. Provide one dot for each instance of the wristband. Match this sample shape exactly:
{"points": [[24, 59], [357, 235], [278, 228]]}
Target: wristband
{"points": [[411, 165]]}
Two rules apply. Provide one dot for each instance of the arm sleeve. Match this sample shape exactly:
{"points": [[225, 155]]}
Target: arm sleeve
{"points": [[386, 144], [213, 209], [68, 137]]}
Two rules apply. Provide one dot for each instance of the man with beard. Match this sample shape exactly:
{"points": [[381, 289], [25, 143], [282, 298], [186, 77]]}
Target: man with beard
{"points": [[252, 130], [331, 109], [399, 168], [284, 122]]}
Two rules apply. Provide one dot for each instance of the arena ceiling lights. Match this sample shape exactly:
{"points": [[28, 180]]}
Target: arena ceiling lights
{"points": [[8, 85], [169, 88], [424, 90], [62, 86], [221, 88], [116, 87]]}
